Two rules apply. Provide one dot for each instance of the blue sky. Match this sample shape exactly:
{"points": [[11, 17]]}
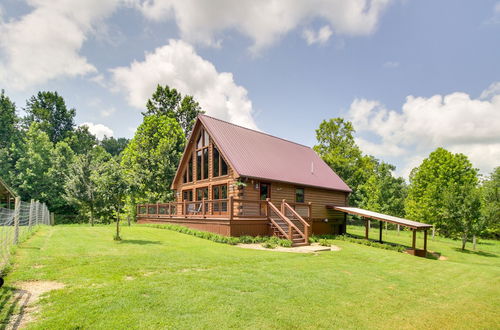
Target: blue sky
{"points": [[411, 75]]}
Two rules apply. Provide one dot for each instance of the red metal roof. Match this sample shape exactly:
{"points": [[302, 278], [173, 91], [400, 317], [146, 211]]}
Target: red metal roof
{"points": [[259, 155]]}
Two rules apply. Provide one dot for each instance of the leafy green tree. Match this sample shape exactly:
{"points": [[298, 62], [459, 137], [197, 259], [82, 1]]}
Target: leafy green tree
{"points": [[81, 187], [428, 182], [31, 177], [461, 211], [114, 146], [490, 203], [382, 192], [81, 140], [152, 156], [8, 121], [50, 111], [169, 102], [113, 187], [61, 159]]}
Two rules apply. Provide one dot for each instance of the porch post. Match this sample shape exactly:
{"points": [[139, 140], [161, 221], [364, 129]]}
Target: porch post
{"points": [[231, 206], [367, 225], [203, 206], [414, 239], [380, 231], [425, 240]]}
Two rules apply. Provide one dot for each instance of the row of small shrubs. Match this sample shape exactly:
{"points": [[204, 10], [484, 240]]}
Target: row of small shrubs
{"points": [[324, 240], [267, 242]]}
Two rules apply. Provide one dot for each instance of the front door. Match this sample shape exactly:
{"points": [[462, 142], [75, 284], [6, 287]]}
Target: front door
{"points": [[265, 192]]}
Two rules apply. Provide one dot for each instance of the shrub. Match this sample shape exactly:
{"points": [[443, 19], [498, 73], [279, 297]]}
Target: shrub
{"points": [[269, 245], [285, 243], [324, 242], [246, 239]]}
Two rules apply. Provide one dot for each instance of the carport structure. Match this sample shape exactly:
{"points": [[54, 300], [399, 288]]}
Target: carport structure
{"points": [[7, 195], [413, 225]]}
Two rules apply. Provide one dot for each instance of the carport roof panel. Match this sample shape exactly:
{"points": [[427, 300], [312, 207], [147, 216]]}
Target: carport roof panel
{"points": [[381, 217]]}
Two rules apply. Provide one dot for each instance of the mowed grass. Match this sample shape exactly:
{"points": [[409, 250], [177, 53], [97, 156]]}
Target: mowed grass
{"points": [[156, 279]]}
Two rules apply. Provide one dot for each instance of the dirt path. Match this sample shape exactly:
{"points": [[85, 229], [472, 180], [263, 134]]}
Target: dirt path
{"points": [[26, 297]]}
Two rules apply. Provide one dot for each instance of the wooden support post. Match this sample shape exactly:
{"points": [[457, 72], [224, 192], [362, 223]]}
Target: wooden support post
{"points": [[309, 211], [37, 212], [398, 229], [170, 209], [184, 209], [203, 206], [231, 207], [367, 226], [52, 219], [425, 240], [17, 213], [433, 231], [414, 239], [380, 231]]}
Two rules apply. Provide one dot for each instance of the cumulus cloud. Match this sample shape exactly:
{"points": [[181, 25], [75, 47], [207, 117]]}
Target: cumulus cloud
{"points": [[45, 43], [99, 130], [264, 21], [319, 37], [177, 65], [454, 121]]}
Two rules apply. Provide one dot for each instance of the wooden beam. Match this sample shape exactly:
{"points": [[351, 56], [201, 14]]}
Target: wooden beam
{"points": [[414, 239], [380, 231], [367, 225], [425, 240]]}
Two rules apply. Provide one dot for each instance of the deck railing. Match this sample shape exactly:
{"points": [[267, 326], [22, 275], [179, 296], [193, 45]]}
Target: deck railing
{"points": [[229, 208]]}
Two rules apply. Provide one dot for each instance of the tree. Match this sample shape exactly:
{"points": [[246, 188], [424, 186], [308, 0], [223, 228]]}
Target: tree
{"points": [[31, 168], [81, 187], [152, 156], [169, 102], [81, 140], [112, 186], [8, 121], [114, 146], [429, 181], [61, 159], [461, 211], [490, 203], [49, 110], [382, 192]]}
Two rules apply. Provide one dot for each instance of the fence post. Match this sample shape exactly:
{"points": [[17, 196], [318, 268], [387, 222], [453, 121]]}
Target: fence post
{"points": [[52, 219], [17, 210], [37, 212], [32, 210]]}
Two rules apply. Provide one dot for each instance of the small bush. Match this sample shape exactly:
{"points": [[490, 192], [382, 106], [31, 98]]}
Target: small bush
{"points": [[246, 239], [285, 243], [269, 245], [324, 242]]}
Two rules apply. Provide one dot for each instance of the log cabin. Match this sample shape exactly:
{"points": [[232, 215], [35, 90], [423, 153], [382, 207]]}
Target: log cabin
{"points": [[235, 181]]}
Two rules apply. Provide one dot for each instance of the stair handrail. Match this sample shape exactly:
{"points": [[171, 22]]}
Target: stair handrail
{"points": [[298, 216], [284, 218]]}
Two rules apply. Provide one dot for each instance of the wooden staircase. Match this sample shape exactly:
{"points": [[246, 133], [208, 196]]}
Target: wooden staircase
{"points": [[288, 224]]}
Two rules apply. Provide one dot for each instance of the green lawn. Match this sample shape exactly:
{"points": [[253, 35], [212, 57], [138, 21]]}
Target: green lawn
{"points": [[160, 279]]}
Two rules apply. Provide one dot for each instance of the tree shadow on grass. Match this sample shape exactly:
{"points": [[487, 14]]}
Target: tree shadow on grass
{"points": [[12, 307], [138, 242], [478, 253]]}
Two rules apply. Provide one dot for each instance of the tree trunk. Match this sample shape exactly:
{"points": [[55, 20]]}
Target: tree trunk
{"points": [[474, 242], [464, 240], [92, 216]]}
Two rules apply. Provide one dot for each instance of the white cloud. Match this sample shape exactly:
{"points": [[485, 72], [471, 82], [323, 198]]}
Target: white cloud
{"points": [[98, 130], [45, 43], [107, 112], [263, 21], [319, 37], [454, 121], [178, 66], [492, 90], [391, 65]]}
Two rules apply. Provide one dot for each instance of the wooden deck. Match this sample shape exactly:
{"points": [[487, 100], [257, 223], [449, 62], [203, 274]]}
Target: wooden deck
{"points": [[234, 217]]}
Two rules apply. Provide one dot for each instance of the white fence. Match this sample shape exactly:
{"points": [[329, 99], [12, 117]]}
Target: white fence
{"points": [[17, 224]]}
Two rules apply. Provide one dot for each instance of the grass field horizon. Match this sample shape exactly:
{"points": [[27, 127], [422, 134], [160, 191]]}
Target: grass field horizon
{"points": [[157, 278]]}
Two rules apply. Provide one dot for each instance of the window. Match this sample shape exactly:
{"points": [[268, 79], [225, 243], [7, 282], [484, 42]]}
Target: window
{"points": [[202, 156], [299, 195], [220, 192], [201, 193], [187, 195], [188, 174], [219, 164]]}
